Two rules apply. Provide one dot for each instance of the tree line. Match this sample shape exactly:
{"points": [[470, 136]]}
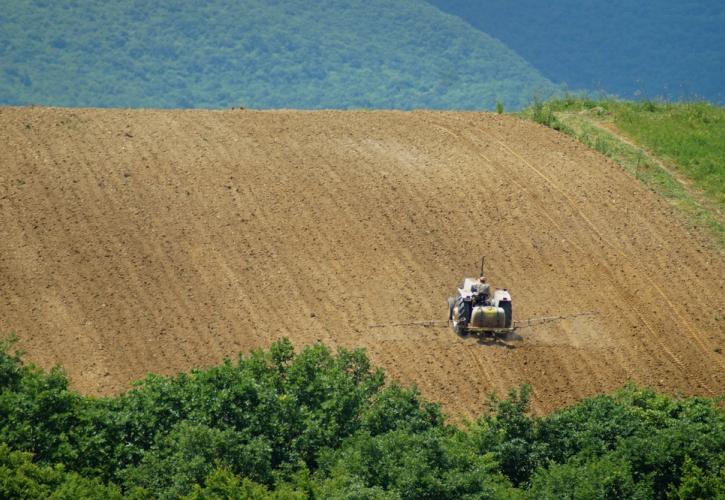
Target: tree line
{"points": [[318, 424]]}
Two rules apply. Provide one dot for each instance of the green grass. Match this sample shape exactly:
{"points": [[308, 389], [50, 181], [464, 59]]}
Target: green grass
{"points": [[677, 149], [691, 136]]}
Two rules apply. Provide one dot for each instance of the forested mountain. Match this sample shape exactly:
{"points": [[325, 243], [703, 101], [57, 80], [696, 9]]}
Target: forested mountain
{"points": [[650, 48], [255, 53]]}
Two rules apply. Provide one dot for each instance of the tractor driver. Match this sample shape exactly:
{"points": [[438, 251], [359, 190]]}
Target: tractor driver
{"points": [[483, 290]]}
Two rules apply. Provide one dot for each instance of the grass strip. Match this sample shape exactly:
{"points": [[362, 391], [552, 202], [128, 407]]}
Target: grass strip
{"points": [[676, 149]]}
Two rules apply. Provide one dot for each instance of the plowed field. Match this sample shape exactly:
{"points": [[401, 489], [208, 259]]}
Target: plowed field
{"points": [[137, 241]]}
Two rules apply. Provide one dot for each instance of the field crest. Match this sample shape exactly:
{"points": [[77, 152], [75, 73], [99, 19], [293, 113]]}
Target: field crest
{"points": [[137, 241]]}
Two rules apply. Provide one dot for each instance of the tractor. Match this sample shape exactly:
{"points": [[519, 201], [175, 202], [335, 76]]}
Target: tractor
{"points": [[477, 308]]}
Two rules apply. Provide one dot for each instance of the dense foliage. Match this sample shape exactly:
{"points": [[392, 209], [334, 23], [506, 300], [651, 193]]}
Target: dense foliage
{"points": [[649, 48], [255, 53], [276, 424]]}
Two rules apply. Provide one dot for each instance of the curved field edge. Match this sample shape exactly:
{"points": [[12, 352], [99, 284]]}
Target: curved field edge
{"points": [[136, 241], [280, 424], [678, 149]]}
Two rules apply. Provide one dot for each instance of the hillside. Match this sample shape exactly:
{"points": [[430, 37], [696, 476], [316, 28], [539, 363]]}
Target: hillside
{"points": [[677, 149], [226, 53], [137, 241], [669, 48]]}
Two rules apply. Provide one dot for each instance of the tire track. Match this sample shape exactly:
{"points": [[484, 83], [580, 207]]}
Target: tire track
{"points": [[573, 206], [234, 228], [476, 149]]}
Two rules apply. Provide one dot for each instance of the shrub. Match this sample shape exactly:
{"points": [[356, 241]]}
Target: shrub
{"points": [[276, 424]]}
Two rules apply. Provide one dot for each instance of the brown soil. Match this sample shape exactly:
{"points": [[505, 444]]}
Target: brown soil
{"points": [[137, 241]]}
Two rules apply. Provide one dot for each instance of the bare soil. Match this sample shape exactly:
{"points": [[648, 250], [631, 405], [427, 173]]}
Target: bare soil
{"points": [[139, 241]]}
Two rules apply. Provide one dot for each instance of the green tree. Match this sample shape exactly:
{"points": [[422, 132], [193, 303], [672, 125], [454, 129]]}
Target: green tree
{"points": [[21, 478], [511, 435]]}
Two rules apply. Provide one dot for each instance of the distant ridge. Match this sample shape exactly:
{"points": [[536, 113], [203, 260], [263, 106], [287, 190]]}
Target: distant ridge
{"points": [[226, 53], [673, 49]]}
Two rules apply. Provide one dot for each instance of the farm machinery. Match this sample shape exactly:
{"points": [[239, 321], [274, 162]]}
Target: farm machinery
{"points": [[479, 309]]}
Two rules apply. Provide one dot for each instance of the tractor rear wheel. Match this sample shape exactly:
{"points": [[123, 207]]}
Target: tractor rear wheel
{"points": [[506, 306]]}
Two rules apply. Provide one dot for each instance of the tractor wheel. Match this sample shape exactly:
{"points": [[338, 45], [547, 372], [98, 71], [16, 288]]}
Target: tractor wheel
{"points": [[506, 306]]}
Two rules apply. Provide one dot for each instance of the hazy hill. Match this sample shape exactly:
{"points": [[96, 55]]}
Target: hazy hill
{"points": [[256, 53], [650, 48]]}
